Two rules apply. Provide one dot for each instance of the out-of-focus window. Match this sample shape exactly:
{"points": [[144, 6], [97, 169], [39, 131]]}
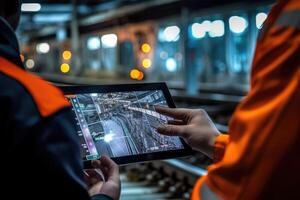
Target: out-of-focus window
{"points": [[91, 54], [109, 51], [100, 54], [126, 57], [205, 51], [221, 48], [168, 55]]}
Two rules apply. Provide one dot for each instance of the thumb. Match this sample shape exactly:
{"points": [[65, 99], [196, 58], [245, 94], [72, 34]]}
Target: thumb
{"points": [[96, 164]]}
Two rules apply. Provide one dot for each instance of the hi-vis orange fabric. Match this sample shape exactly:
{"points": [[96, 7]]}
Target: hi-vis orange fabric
{"points": [[262, 158], [47, 98], [219, 148]]}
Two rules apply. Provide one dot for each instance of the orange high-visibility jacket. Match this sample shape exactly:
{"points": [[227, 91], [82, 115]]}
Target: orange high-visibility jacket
{"points": [[260, 159]]}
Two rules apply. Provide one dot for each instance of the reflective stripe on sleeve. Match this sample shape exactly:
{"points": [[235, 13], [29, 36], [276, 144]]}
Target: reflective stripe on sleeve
{"points": [[219, 147], [207, 194], [289, 19]]}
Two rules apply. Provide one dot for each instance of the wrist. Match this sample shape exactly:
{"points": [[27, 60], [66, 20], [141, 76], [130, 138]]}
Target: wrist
{"points": [[210, 146]]}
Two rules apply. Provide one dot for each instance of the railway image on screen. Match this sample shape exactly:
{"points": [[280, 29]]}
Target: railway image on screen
{"points": [[121, 123]]}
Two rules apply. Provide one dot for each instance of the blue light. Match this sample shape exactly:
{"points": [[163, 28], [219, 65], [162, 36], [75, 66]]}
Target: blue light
{"points": [[217, 29], [109, 40], [61, 34], [198, 31], [171, 65], [260, 19], [51, 18], [30, 7], [169, 34], [214, 29], [93, 43], [237, 24]]}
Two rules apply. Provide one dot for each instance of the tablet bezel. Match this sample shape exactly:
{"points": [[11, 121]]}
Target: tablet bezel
{"points": [[71, 90]]}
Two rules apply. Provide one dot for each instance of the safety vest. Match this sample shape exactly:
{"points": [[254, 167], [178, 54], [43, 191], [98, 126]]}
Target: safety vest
{"points": [[260, 159], [47, 98]]}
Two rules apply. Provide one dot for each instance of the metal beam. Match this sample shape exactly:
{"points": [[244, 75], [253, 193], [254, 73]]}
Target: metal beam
{"points": [[101, 17], [76, 64]]}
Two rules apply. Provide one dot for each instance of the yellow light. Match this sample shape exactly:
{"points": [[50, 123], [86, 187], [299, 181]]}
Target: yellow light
{"points": [[147, 63], [65, 68], [134, 74], [146, 48], [141, 76], [67, 55]]}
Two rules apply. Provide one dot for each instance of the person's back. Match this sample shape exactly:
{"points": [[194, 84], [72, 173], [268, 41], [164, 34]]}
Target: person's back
{"points": [[41, 155], [33, 120]]}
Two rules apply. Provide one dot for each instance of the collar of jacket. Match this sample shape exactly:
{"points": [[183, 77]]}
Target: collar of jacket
{"points": [[9, 47]]}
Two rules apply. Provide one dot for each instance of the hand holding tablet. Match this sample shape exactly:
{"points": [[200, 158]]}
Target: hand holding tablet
{"points": [[120, 121]]}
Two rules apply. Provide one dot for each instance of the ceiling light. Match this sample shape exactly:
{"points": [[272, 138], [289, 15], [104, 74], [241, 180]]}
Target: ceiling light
{"points": [[43, 48], [237, 24], [31, 7], [109, 40], [260, 19]]}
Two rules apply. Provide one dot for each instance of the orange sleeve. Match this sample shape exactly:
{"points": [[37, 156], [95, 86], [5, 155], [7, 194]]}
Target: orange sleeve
{"points": [[221, 142], [219, 148], [47, 98], [259, 161]]}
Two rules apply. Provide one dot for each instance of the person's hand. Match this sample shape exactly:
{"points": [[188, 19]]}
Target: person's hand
{"points": [[106, 169], [194, 126]]}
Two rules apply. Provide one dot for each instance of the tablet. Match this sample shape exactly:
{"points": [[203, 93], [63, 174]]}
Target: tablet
{"points": [[120, 121]]}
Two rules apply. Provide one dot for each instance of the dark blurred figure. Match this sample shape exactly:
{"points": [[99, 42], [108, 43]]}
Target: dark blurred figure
{"points": [[40, 150]]}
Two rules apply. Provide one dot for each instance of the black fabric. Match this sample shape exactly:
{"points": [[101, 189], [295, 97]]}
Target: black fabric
{"points": [[9, 47], [40, 156]]}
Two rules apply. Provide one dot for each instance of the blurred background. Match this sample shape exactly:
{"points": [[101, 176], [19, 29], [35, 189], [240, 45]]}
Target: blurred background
{"points": [[203, 49]]}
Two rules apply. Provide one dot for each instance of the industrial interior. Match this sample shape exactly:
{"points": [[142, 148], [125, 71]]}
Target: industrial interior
{"points": [[203, 50]]}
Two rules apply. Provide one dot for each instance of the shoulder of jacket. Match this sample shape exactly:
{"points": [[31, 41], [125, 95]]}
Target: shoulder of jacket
{"points": [[48, 98]]}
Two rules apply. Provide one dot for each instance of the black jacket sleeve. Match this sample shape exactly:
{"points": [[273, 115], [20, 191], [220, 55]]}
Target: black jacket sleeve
{"points": [[59, 155], [40, 156]]}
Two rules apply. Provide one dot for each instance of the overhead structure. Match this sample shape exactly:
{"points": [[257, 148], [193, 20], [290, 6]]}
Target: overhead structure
{"points": [[45, 17]]}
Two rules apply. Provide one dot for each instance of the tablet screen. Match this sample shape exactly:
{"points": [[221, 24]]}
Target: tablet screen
{"points": [[121, 124]]}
